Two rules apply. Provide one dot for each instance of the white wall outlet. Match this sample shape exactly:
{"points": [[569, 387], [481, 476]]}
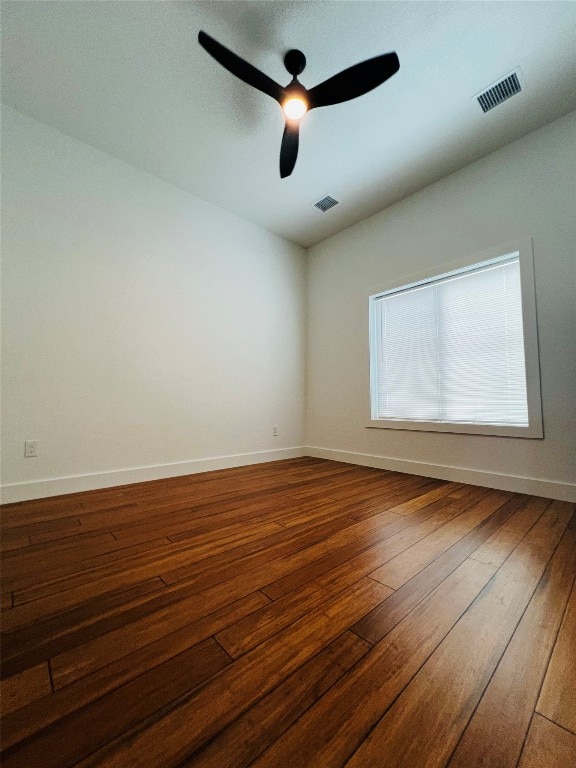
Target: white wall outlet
{"points": [[274, 431], [30, 449]]}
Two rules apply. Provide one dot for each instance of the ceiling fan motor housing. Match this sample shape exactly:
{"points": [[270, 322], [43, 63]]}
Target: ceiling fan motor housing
{"points": [[295, 62]]}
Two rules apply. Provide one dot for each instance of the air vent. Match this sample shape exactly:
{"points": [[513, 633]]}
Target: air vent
{"points": [[326, 203], [499, 92]]}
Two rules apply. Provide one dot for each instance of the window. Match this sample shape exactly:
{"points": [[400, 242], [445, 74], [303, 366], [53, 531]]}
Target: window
{"points": [[457, 351]]}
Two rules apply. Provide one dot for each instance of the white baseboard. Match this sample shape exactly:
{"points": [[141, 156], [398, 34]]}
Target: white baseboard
{"points": [[550, 489], [55, 486], [39, 489]]}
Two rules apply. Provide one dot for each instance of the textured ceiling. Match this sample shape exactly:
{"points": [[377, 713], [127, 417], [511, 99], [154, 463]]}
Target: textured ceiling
{"points": [[130, 78]]}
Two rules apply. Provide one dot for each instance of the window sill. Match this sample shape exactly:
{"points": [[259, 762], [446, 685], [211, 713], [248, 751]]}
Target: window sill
{"points": [[499, 430]]}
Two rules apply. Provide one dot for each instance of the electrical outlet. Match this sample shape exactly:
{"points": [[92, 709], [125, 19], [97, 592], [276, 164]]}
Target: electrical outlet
{"points": [[30, 449], [274, 431]]}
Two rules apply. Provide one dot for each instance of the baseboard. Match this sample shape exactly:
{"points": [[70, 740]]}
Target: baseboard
{"points": [[56, 486], [39, 489], [550, 489]]}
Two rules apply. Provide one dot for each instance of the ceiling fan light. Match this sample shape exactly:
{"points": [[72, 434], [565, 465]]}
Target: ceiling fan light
{"points": [[295, 108]]}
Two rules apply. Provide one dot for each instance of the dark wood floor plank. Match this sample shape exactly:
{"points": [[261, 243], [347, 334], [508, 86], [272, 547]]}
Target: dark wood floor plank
{"points": [[466, 489], [467, 495], [212, 599], [236, 617], [396, 537], [149, 517], [253, 500], [33, 643], [147, 559], [496, 731], [56, 572], [248, 736], [557, 700], [424, 499], [19, 565], [271, 619], [14, 544], [19, 690], [147, 563], [121, 578], [192, 488], [286, 543], [332, 729], [27, 557], [177, 734], [362, 534], [102, 650], [105, 649], [381, 620], [28, 512], [553, 523], [368, 488], [58, 535], [402, 568], [63, 702], [74, 737], [377, 503], [244, 558], [46, 526], [473, 647], [209, 600], [392, 484], [548, 746], [497, 548]]}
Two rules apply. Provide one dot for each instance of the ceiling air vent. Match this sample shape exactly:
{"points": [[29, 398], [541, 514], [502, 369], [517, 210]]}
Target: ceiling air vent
{"points": [[501, 91], [326, 203]]}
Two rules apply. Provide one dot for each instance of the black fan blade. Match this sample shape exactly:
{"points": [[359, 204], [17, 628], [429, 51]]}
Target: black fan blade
{"points": [[354, 81], [240, 68], [289, 148]]}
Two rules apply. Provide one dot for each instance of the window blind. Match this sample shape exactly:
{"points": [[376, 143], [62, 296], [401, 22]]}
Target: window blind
{"points": [[451, 349]]}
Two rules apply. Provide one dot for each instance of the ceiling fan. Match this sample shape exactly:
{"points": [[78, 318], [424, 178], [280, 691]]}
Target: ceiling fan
{"points": [[295, 99]]}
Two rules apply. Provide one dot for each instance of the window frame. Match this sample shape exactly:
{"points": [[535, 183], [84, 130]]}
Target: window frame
{"points": [[524, 248]]}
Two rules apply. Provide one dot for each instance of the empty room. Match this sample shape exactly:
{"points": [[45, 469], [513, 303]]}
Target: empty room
{"points": [[288, 381]]}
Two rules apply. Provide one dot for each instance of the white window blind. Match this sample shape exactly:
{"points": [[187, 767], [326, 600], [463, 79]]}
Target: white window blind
{"points": [[451, 349]]}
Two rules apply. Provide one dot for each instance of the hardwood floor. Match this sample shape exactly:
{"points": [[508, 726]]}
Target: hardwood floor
{"points": [[299, 613]]}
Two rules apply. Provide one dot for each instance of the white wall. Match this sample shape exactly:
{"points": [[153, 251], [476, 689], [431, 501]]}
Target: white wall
{"points": [[145, 328], [527, 189], [141, 325]]}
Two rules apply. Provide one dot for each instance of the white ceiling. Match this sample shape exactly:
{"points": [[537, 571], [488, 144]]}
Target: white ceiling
{"points": [[130, 78]]}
